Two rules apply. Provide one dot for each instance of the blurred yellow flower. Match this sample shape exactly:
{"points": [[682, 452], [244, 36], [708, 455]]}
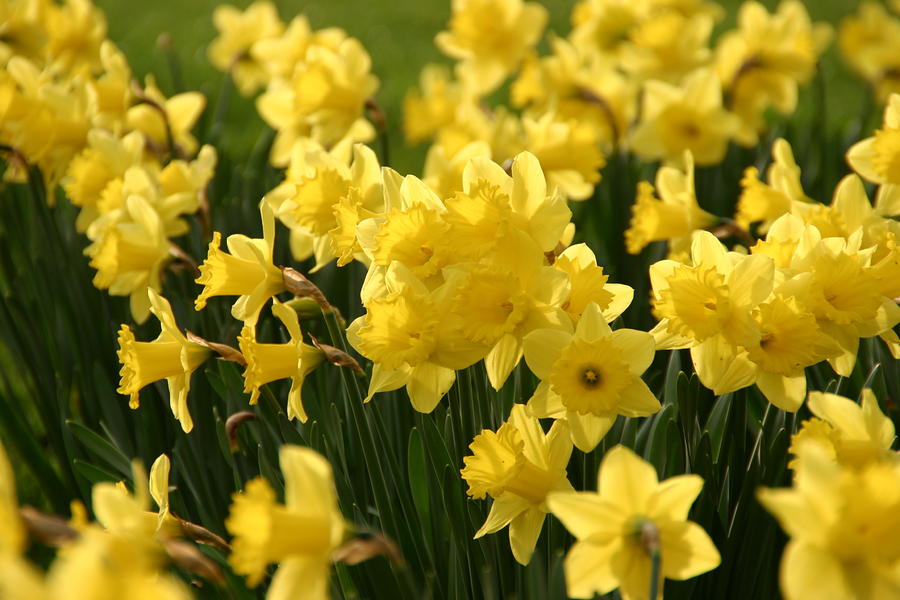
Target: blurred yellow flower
{"points": [[490, 37], [238, 31], [518, 466], [877, 159], [632, 517], [854, 435], [763, 61], [843, 527], [299, 534], [686, 117]]}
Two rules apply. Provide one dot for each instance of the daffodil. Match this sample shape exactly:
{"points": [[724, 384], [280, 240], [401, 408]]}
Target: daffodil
{"points": [[170, 356], [494, 204], [498, 303], [490, 37], [762, 62], [91, 171], [877, 159], [766, 202], [270, 362], [667, 46], [588, 283], [707, 306], [428, 110], [843, 527], [631, 518], [568, 152], [591, 377], [246, 270], [238, 32], [854, 435], [323, 99], [18, 579], [869, 41], [518, 465], [300, 534], [404, 333], [689, 117], [674, 216], [129, 251], [168, 123]]}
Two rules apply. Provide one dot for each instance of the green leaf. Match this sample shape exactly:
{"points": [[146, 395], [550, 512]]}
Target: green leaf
{"points": [[717, 424], [418, 481], [92, 473], [101, 449]]}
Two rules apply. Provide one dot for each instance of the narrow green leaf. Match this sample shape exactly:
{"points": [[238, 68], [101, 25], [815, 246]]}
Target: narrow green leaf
{"points": [[418, 481], [92, 473], [717, 424], [101, 448]]}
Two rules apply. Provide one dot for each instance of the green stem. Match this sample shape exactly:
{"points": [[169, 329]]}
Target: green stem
{"points": [[654, 574]]}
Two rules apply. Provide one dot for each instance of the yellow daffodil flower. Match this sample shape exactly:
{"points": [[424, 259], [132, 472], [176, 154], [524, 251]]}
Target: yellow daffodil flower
{"points": [[843, 527], [854, 435], [18, 579], [299, 534], [518, 465], [667, 46], [763, 61], [591, 377], [490, 37], [105, 160], [877, 159], [588, 283], [129, 251], [238, 32], [323, 99], [246, 270], [674, 216], [631, 517], [428, 110], [766, 202], [270, 362], [181, 112], [870, 43], [404, 333], [689, 117], [278, 56], [568, 152], [170, 356]]}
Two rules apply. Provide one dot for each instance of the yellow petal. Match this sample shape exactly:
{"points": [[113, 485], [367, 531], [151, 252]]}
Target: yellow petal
{"points": [[687, 550], [627, 480], [586, 515], [588, 429], [674, 497], [588, 569], [503, 510], [719, 366], [502, 359], [300, 577], [784, 391], [637, 400], [524, 531], [427, 385], [809, 572], [542, 347]]}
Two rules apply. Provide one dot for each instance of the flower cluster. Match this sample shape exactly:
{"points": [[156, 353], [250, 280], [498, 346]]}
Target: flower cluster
{"points": [[317, 83], [129, 551], [640, 75], [123, 153], [453, 280]]}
